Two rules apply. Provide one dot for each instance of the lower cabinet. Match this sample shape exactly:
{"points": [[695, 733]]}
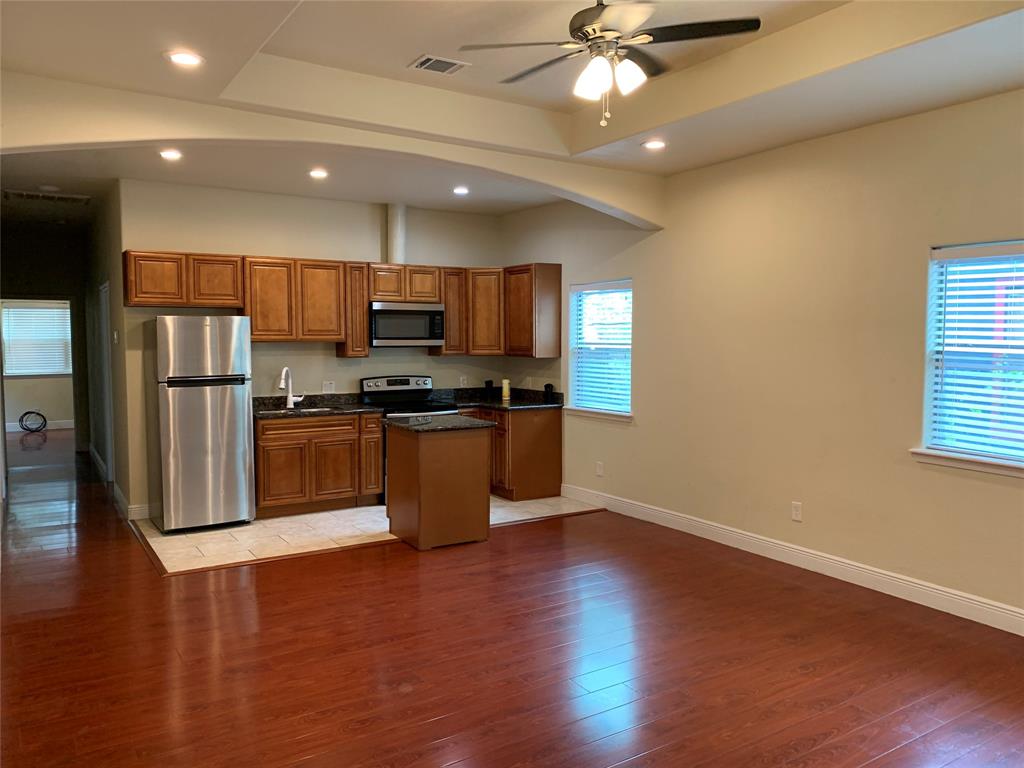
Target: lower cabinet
{"points": [[301, 461], [526, 451]]}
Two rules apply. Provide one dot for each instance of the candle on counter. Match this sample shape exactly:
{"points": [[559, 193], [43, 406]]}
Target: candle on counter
{"points": [[506, 390]]}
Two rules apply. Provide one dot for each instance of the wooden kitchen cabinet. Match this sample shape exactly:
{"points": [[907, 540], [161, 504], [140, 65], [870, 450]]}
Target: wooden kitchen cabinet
{"points": [[533, 310], [214, 280], [270, 296], [387, 282], [453, 296], [155, 279], [282, 472], [357, 311], [422, 284], [321, 300], [182, 280], [335, 465], [526, 451], [485, 310], [302, 462]]}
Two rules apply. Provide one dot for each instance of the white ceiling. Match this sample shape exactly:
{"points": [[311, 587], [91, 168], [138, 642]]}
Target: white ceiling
{"points": [[969, 63], [384, 38], [357, 175]]}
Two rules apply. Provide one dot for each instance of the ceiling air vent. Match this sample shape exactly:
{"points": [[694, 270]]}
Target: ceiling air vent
{"points": [[437, 64], [46, 197]]}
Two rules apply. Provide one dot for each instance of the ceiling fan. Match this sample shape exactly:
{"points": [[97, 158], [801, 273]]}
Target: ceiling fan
{"points": [[611, 35]]}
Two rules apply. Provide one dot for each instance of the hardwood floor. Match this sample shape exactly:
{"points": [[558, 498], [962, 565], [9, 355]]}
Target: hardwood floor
{"points": [[579, 642]]}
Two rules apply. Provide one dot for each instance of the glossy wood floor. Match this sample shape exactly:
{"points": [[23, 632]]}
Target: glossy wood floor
{"points": [[580, 642]]}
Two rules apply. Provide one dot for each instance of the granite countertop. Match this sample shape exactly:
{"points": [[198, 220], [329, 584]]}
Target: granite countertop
{"points": [[343, 404], [438, 423]]}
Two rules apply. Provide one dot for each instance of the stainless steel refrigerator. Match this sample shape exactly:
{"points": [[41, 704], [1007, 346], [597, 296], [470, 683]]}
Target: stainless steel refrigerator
{"points": [[204, 383]]}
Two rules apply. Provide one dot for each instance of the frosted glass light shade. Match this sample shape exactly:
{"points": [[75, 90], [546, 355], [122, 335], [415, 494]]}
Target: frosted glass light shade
{"points": [[595, 80], [628, 76]]}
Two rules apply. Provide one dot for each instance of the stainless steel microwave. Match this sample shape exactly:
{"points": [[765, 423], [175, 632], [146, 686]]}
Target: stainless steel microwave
{"points": [[406, 324]]}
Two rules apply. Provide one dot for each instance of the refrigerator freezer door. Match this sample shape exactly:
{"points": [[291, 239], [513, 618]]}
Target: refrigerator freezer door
{"points": [[206, 450], [202, 346]]}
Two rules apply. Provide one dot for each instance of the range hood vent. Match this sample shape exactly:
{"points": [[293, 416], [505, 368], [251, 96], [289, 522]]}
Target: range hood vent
{"points": [[438, 64]]}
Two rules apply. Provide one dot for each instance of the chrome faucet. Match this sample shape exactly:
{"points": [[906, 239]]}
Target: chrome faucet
{"points": [[286, 382]]}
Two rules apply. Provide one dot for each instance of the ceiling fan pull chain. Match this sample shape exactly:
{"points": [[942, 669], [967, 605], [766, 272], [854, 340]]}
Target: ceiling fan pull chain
{"points": [[606, 112]]}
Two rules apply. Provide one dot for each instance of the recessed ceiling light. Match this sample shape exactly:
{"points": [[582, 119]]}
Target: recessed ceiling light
{"points": [[318, 173], [170, 154], [654, 145], [185, 59], [48, 188], [461, 190]]}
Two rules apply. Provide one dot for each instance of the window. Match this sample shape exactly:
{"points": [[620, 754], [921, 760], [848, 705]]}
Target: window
{"points": [[37, 338], [974, 398], [600, 347]]}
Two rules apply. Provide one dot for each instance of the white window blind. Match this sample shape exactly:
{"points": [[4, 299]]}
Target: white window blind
{"points": [[974, 400], [600, 347], [37, 338]]}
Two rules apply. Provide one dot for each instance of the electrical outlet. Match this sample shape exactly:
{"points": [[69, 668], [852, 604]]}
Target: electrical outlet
{"points": [[599, 469], [328, 387], [463, 381], [529, 382], [797, 512]]}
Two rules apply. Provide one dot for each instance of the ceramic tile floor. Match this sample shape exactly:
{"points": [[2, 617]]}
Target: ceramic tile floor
{"points": [[297, 534]]}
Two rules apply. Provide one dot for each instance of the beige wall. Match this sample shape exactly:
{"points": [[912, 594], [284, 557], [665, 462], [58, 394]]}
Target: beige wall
{"points": [[52, 396], [779, 342]]}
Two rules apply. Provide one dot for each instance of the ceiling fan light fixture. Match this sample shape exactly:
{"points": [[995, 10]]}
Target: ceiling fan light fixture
{"points": [[628, 76], [594, 81]]}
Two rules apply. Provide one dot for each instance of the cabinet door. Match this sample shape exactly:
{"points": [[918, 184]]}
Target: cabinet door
{"points": [[321, 300], [357, 312], [387, 282], [423, 284], [154, 279], [486, 314], [282, 473], [453, 296], [334, 466], [215, 281], [270, 298], [499, 458], [519, 310], [371, 462]]}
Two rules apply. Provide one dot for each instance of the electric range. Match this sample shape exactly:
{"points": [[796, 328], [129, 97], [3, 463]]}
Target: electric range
{"points": [[400, 396]]}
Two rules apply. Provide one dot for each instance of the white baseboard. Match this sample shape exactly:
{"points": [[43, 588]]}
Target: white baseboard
{"points": [[1000, 615], [129, 511], [101, 466], [66, 424]]}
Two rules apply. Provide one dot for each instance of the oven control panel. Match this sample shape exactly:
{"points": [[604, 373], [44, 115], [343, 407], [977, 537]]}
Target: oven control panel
{"points": [[396, 383]]}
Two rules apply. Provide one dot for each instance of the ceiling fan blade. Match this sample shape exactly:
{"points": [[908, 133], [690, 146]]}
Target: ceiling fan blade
{"points": [[534, 70], [701, 29], [490, 46], [651, 66]]}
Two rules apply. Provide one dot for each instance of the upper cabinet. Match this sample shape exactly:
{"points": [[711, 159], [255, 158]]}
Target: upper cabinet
{"points": [[270, 298], [485, 309], [357, 311], [401, 282], [182, 279], [533, 317], [453, 296], [321, 304]]}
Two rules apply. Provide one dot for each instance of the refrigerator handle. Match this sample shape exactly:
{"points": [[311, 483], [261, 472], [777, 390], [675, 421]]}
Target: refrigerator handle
{"points": [[205, 381]]}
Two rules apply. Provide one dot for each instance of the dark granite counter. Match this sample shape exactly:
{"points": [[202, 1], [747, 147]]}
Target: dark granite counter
{"points": [[438, 423], [342, 404]]}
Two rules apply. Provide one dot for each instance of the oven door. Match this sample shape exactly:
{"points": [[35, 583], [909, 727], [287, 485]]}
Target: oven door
{"points": [[395, 324]]}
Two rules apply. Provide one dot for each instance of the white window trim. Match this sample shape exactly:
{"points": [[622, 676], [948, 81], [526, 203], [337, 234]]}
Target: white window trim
{"points": [[595, 413], [968, 461], [975, 462]]}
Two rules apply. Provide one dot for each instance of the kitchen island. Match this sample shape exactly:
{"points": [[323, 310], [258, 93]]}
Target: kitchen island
{"points": [[438, 470]]}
